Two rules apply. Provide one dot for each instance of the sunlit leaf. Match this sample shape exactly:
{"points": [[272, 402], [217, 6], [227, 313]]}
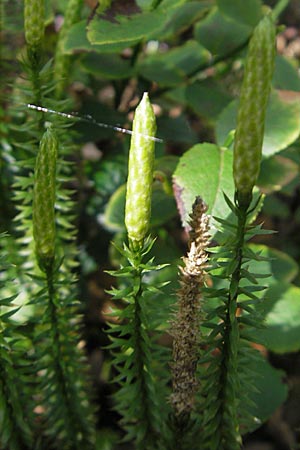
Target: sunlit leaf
{"points": [[204, 170], [282, 123], [281, 307]]}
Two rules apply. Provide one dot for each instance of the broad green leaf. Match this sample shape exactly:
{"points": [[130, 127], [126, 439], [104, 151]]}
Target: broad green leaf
{"points": [[171, 67], [281, 307], [276, 172], [184, 133], [247, 12], [124, 31], [204, 170], [76, 39], [163, 208], [270, 391], [207, 98], [282, 123], [281, 266], [166, 164], [114, 214], [160, 72], [221, 35], [169, 5], [286, 75], [276, 207], [109, 66], [100, 120], [182, 17], [168, 18], [145, 4]]}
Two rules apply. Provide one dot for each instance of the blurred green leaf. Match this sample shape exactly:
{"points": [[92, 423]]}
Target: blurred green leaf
{"points": [[124, 31], [166, 164], [182, 17], [171, 67], [184, 133], [207, 98], [76, 39], [161, 72], [113, 218], [279, 265], [221, 35], [270, 391], [282, 123], [247, 12], [204, 170], [170, 17], [281, 305], [276, 172], [98, 122], [109, 66], [286, 75], [276, 207], [163, 208], [145, 4]]}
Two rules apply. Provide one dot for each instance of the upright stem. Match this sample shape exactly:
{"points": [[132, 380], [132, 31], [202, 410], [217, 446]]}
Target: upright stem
{"points": [[142, 368], [72, 423], [229, 370], [222, 377], [136, 400]]}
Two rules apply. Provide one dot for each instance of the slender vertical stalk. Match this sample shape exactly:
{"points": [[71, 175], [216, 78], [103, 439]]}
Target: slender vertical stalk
{"points": [[66, 406], [136, 398], [222, 390], [229, 368]]}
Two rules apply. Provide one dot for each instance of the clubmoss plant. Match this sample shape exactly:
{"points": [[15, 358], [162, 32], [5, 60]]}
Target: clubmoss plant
{"points": [[64, 398], [45, 404], [136, 400], [45, 224], [15, 431], [238, 300]]}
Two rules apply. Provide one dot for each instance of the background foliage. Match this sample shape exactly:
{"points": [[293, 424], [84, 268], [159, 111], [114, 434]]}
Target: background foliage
{"points": [[189, 56]]}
